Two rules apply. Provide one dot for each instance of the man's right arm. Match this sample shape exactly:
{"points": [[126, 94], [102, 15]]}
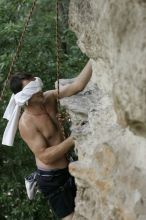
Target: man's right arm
{"points": [[78, 85], [46, 154]]}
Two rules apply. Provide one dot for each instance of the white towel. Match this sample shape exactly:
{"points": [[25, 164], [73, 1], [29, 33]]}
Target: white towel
{"points": [[13, 110]]}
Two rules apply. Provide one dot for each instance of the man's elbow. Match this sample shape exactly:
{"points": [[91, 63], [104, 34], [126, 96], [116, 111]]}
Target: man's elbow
{"points": [[47, 160], [79, 87]]}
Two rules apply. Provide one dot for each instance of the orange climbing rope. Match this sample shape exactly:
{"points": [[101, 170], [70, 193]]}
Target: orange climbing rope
{"points": [[59, 115], [20, 43]]}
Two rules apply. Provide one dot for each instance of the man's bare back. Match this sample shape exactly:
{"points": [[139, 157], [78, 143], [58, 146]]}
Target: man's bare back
{"points": [[41, 124]]}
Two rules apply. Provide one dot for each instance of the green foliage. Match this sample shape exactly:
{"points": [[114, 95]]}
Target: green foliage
{"points": [[38, 56]]}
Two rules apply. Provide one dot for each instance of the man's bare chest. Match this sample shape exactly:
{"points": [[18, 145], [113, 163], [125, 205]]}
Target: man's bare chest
{"points": [[46, 125]]}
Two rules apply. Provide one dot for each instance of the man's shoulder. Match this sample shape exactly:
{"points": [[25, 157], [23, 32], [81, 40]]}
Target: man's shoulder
{"points": [[49, 94], [27, 129], [26, 123], [50, 98]]}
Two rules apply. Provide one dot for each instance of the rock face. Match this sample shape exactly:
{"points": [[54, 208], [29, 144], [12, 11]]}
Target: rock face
{"points": [[109, 116]]}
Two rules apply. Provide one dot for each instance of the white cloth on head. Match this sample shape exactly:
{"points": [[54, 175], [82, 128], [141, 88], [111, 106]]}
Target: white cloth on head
{"points": [[13, 110]]}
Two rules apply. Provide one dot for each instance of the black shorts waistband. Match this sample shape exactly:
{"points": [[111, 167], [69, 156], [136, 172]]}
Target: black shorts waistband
{"points": [[52, 171]]}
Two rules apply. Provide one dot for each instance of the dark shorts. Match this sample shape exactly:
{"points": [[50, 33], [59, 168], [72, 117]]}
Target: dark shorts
{"points": [[59, 189]]}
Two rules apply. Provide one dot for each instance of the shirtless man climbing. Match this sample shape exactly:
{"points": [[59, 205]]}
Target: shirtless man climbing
{"points": [[39, 129]]}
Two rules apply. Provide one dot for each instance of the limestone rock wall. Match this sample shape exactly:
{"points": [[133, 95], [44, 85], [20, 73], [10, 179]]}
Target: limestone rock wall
{"points": [[109, 116]]}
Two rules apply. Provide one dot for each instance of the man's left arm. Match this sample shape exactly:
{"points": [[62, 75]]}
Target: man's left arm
{"points": [[78, 85]]}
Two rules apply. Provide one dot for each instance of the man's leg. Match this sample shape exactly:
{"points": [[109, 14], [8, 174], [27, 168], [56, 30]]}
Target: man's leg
{"points": [[69, 217]]}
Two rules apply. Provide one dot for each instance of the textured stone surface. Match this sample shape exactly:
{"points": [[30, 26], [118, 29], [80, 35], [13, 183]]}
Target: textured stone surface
{"points": [[114, 34], [109, 116]]}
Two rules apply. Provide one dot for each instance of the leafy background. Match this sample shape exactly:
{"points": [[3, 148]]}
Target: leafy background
{"points": [[38, 56]]}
